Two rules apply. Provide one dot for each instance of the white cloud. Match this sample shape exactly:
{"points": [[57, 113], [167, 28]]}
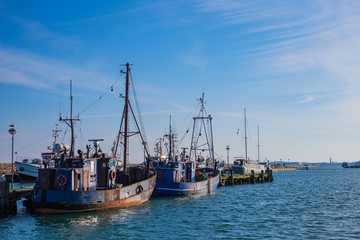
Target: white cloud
{"points": [[306, 100], [36, 31], [296, 37], [35, 71], [181, 108], [229, 114], [195, 56]]}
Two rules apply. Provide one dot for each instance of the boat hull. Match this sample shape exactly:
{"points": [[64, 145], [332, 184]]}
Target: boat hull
{"points": [[26, 178], [28, 172], [167, 188], [351, 165], [57, 201]]}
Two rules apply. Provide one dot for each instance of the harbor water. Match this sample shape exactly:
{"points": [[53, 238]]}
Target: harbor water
{"points": [[321, 203]]}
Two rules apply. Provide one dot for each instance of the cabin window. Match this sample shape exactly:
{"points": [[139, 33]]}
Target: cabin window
{"points": [[92, 166]]}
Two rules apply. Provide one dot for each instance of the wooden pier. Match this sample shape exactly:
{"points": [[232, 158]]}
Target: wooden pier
{"points": [[229, 178], [8, 198], [282, 167]]}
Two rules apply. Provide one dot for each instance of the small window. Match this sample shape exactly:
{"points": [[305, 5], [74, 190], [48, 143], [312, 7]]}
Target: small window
{"points": [[92, 166]]}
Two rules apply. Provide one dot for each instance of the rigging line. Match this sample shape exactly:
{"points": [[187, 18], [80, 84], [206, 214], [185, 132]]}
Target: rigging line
{"points": [[62, 140], [207, 137], [138, 109], [189, 125], [141, 144], [217, 155], [119, 133], [183, 137], [79, 129], [190, 113], [110, 88], [146, 147], [32, 144]]}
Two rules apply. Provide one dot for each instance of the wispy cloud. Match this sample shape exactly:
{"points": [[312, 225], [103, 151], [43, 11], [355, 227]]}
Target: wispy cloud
{"points": [[166, 111], [35, 71], [182, 108], [156, 14], [195, 56], [313, 44], [101, 116], [229, 114], [37, 32], [306, 100]]}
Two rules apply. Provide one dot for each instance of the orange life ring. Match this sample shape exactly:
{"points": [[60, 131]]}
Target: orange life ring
{"points": [[112, 175], [61, 180]]}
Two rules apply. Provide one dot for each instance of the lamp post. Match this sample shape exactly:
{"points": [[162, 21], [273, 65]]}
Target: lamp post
{"points": [[12, 131], [227, 149]]}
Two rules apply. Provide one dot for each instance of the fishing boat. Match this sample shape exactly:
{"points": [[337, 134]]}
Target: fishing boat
{"points": [[245, 166], [28, 169], [351, 165], [188, 174], [90, 180]]}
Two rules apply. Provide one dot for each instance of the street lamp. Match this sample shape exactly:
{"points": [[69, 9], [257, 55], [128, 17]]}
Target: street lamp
{"points": [[12, 131], [227, 149]]}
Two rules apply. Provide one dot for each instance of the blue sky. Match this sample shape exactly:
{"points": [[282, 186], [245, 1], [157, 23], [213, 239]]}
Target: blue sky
{"points": [[294, 65]]}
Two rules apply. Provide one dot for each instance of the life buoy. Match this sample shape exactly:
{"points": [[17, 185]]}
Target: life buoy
{"points": [[112, 175], [139, 189], [161, 176], [61, 180]]}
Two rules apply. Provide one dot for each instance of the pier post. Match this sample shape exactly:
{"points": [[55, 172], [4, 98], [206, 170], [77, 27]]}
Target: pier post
{"points": [[232, 177], [270, 175], [262, 176], [252, 177], [4, 197]]}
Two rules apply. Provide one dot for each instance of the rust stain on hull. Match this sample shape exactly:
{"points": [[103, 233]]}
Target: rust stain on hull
{"points": [[58, 208]]}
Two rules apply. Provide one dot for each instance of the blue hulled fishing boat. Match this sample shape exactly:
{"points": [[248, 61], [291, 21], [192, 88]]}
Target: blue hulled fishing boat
{"points": [[193, 173], [92, 180]]}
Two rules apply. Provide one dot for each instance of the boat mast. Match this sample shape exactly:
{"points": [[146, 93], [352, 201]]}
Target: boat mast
{"points": [[212, 140], [70, 123], [55, 134], [160, 148], [246, 156], [126, 117], [170, 141], [258, 145], [125, 120], [200, 120]]}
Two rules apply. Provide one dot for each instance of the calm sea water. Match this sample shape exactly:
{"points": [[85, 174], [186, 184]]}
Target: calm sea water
{"points": [[321, 203]]}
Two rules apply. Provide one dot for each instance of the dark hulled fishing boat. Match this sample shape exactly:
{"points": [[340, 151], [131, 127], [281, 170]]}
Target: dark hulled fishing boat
{"points": [[91, 180], [189, 175]]}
